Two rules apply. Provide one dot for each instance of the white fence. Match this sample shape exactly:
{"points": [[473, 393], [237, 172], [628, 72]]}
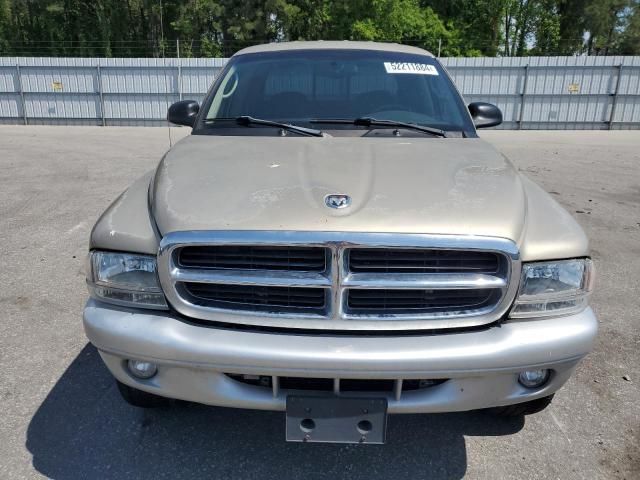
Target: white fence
{"points": [[533, 92]]}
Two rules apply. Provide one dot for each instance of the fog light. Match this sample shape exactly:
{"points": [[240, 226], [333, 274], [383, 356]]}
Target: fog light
{"points": [[533, 378], [140, 369]]}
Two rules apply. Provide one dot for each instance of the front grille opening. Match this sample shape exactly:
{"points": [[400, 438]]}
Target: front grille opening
{"points": [[383, 260], [308, 259], [327, 384], [252, 297], [391, 301], [358, 385], [301, 383]]}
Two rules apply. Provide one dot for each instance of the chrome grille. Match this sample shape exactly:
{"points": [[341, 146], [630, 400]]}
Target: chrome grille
{"points": [[422, 261], [253, 257], [339, 281], [423, 301], [256, 297]]}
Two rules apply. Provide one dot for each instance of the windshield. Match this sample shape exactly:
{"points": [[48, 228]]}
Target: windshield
{"points": [[302, 86]]}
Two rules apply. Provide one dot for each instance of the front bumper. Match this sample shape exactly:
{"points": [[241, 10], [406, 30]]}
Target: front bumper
{"points": [[481, 366]]}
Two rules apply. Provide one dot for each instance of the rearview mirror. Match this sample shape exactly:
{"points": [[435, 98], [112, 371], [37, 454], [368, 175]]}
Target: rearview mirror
{"points": [[485, 115], [183, 112]]}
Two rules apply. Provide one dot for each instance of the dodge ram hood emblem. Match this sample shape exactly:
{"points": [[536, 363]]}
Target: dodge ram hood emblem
{"points": [[337, 201]]}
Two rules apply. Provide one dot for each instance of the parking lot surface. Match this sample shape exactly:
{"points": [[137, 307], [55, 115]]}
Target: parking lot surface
{"points": [[62, 417]]}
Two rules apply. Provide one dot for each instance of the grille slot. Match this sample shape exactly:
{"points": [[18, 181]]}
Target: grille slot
{"points": [[308, 259], [384, 301], [377, 260], [256, 297]]}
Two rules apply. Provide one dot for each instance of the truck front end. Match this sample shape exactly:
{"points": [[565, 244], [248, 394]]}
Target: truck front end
{"points": [[379, 265]]}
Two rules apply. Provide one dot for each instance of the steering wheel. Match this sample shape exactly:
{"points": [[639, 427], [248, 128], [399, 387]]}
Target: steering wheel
{"points": [[233, 89]]}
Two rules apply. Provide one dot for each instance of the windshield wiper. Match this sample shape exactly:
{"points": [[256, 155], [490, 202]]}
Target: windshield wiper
{"points": [[246, 120], [374, 122]]}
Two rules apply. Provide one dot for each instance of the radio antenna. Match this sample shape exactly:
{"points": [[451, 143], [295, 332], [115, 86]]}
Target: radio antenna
{"points": [[164, 67]]}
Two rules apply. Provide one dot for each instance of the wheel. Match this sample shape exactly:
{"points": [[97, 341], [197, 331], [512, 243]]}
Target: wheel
{"points": [[519, 409], [141, 399]]}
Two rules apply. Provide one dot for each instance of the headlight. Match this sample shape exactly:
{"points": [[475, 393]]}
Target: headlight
{"points": [[554, 288], [125, 279]]}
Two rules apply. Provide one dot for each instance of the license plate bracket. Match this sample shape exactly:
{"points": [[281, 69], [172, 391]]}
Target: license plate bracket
{"points": [[325, 419]]}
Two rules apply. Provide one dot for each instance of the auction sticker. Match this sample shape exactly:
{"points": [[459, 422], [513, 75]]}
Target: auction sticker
{"points": [[408, 67]]}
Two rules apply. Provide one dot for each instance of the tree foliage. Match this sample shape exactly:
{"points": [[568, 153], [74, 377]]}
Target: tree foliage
{"points": [[221, 27]]}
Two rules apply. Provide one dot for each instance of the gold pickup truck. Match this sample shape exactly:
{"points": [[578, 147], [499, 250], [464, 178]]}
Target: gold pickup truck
{"points": [[334, 241]]}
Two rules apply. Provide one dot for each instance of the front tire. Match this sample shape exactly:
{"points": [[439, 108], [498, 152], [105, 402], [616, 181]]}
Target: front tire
{"points": [[519, 409], [141, 399]]}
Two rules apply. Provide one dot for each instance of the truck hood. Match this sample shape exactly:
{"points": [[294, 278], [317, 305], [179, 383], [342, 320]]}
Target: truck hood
{"points": [[399, 185]]}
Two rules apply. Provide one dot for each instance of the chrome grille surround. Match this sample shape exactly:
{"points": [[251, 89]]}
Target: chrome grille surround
{"points": [[336, 279]]}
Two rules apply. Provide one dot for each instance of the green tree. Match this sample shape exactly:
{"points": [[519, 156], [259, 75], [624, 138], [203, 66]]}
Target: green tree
{"points": [[401, 21], [629, 42], [605, 20], [546, 29], [200, 21], [5, 24], [477, 24], [572, 25], [221, 27]]}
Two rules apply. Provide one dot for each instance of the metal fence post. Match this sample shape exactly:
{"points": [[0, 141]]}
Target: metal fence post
{"points": [[522, 96], [21, 92], [614, 103], [101, 95]]}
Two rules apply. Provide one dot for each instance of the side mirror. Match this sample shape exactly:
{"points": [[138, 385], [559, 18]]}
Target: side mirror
{"points": [[183, 112], [485, 115]]}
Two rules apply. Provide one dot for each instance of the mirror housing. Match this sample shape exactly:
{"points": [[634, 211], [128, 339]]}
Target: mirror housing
{"points": [[183, 112], [485, 115]]}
